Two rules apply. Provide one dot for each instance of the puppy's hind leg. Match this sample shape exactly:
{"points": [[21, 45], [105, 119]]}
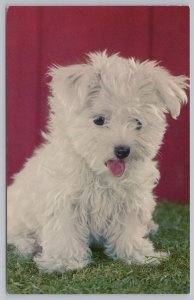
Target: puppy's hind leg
{"points": [[20, 231], [152, 227], [22, 238], [27, 247]]}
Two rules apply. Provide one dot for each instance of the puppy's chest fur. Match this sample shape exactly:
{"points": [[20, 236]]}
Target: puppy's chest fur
{"points": [[103, 201], [100, 204]]}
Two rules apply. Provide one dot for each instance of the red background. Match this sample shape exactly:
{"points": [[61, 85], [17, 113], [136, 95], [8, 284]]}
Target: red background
{"points": [[40, 36]]}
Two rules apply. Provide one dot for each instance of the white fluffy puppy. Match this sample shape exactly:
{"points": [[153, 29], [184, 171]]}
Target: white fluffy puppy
{"points": [[92, 179]]}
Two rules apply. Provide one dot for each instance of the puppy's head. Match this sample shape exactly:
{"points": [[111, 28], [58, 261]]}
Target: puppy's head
{"points": [[114, 109]]}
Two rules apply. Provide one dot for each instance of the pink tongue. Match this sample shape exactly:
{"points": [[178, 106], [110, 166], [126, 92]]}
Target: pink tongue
{"points": [[117, 167]]}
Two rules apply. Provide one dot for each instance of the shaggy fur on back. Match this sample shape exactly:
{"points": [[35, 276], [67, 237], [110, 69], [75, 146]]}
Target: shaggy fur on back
{"points": [[78, 189]]}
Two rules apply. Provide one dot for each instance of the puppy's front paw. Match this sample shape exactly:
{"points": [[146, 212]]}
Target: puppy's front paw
{"points": [[154, 258], [136, 251], [147, 255], [51, 264]]}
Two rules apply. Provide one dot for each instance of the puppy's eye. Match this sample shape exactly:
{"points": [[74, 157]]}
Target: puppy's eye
{"points": [[99, 120], [138, 124]]}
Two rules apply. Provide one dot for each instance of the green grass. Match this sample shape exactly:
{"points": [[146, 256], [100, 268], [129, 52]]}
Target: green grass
{"points": [[105, 276]]}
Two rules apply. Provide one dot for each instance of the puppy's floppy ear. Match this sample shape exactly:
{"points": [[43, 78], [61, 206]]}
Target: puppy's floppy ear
{"points": [[171, 90], [71, 84]]}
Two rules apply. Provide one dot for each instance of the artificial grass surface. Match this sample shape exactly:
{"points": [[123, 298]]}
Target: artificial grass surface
{"points": [[106, 276]]}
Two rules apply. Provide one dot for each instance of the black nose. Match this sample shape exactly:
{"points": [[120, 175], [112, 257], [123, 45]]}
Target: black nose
{"points": [[122, 151]]}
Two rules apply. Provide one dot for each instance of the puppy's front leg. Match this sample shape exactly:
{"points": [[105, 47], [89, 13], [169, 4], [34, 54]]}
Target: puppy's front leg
{"points": [[126, 241], [64, 245]]}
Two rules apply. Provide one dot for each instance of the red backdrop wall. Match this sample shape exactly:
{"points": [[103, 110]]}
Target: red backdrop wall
{"points": [[40, 36]]}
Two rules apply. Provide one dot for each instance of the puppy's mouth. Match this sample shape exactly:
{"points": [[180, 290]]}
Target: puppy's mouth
{"points": [[116, 166]]}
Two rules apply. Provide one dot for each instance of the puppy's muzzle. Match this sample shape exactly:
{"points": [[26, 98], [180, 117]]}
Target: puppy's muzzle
{"points": [[121, 151]]}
